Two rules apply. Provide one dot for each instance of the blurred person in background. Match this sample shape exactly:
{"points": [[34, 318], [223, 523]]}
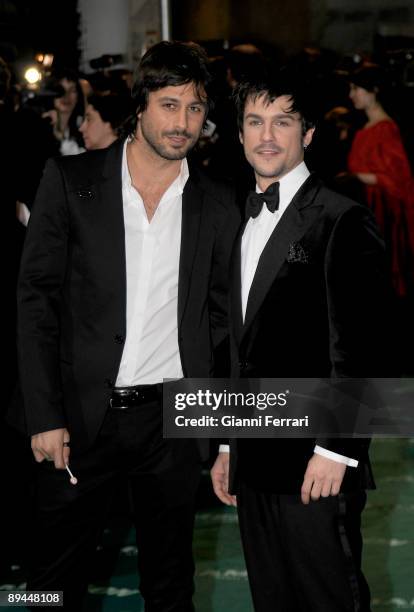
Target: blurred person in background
{"points": [[68, 111], [225, 157], [104, 119], [335, 134], [377, 160], [49, 133]]}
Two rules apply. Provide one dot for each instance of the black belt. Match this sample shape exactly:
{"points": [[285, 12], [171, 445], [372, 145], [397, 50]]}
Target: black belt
{"points": [[125, 397]]}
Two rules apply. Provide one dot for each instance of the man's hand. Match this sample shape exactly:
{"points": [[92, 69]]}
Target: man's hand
{"points": [[220, 479], [49, 445], [323, 477]]}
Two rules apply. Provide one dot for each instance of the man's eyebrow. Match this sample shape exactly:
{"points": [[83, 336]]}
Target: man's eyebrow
{"points": [[286, 116], [168, 99], [172, 99], [277, 116]]}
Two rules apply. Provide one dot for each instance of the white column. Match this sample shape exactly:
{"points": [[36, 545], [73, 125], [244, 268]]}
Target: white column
{"points": [[165, 20], [104, 29], [145, 26]]}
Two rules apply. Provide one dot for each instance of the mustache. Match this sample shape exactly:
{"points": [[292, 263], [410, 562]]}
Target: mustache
{"points": [[268, 147], [179, 133]]}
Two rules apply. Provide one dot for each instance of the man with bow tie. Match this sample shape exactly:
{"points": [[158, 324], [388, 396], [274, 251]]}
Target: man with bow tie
{"points": [[308, 287]]}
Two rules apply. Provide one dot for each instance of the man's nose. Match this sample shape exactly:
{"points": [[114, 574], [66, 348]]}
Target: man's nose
{"points": [[181, 119], [268, 133]]}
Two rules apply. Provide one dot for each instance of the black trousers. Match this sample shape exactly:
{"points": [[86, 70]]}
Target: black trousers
{"points": [[163, 476], [303, 558]]}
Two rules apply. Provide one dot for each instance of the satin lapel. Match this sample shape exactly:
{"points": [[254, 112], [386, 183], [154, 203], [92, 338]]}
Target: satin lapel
{"points": [[296, 220], [190, 228], [236, 315]]}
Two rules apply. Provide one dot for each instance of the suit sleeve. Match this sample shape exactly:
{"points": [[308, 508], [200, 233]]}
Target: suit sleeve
{"points": [[219, 285], [42, 274], [359, 307]]}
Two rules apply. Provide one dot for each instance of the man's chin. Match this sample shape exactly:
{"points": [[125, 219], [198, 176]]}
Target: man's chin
{"points": [[268, 172], [175, 153]]}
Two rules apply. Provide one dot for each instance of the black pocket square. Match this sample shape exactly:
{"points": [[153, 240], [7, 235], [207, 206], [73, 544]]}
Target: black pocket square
{"points": [[297, 253], [85, 194]]}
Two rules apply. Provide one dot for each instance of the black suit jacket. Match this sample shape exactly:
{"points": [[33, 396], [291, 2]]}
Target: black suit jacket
{"points": [[316, 309], [72, 289]]}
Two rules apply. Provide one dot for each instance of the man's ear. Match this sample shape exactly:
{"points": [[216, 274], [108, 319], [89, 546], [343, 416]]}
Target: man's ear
{"points": [[307, 139], [241, 136]]}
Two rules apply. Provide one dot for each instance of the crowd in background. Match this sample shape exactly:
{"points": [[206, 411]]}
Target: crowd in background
{"points": [[363, 147], [71, 113]]}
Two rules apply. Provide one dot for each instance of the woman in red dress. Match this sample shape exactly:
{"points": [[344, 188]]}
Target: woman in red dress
{"points": [[378, 159]]}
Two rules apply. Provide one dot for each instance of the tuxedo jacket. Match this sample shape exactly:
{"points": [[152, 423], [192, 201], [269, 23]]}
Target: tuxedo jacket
{"points": [[317, 308], [72, 289]]}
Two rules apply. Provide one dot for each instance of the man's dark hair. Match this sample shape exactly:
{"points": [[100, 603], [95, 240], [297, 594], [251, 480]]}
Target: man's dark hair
{"points": [[170, 63], [269, 90]]}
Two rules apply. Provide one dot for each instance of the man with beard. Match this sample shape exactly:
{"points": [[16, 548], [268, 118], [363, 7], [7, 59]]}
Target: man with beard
{"points": [[122, 285]]}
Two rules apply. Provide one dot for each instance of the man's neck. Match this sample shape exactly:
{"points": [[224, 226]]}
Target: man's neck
{"points": [[150, 174]]}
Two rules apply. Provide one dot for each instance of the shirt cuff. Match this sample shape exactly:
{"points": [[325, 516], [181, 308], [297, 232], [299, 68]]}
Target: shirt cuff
{"points": [[224, 448], [319, 450]]}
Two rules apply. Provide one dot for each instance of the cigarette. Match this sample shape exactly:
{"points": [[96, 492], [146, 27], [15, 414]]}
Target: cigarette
{"points": [[73, 479]]}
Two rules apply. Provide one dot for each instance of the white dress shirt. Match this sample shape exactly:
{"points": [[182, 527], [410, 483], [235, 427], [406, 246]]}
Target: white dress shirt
{"points": [[258, 231], [151, 351], [256, 234]]}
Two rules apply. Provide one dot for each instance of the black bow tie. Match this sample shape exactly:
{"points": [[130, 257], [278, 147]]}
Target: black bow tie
{"points": [[255, 201]]}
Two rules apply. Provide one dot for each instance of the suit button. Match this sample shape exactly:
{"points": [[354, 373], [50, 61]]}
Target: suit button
{"points": [[243, 365], [119, 339], [108, 383]]}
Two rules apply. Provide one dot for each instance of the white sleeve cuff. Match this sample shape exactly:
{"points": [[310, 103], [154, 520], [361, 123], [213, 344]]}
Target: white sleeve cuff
{"points": [[224, 448], [319, 450]]}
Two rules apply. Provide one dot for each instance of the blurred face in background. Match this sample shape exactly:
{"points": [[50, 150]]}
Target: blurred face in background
{"points": [[97, 134], [361, 98], [66, 103]]}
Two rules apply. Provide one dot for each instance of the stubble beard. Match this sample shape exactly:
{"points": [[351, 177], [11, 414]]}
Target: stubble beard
{"points": [[168, 153], [274, 172]]}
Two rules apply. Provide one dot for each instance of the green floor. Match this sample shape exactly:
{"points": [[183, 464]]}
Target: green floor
{"points": [[221, 582]]}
